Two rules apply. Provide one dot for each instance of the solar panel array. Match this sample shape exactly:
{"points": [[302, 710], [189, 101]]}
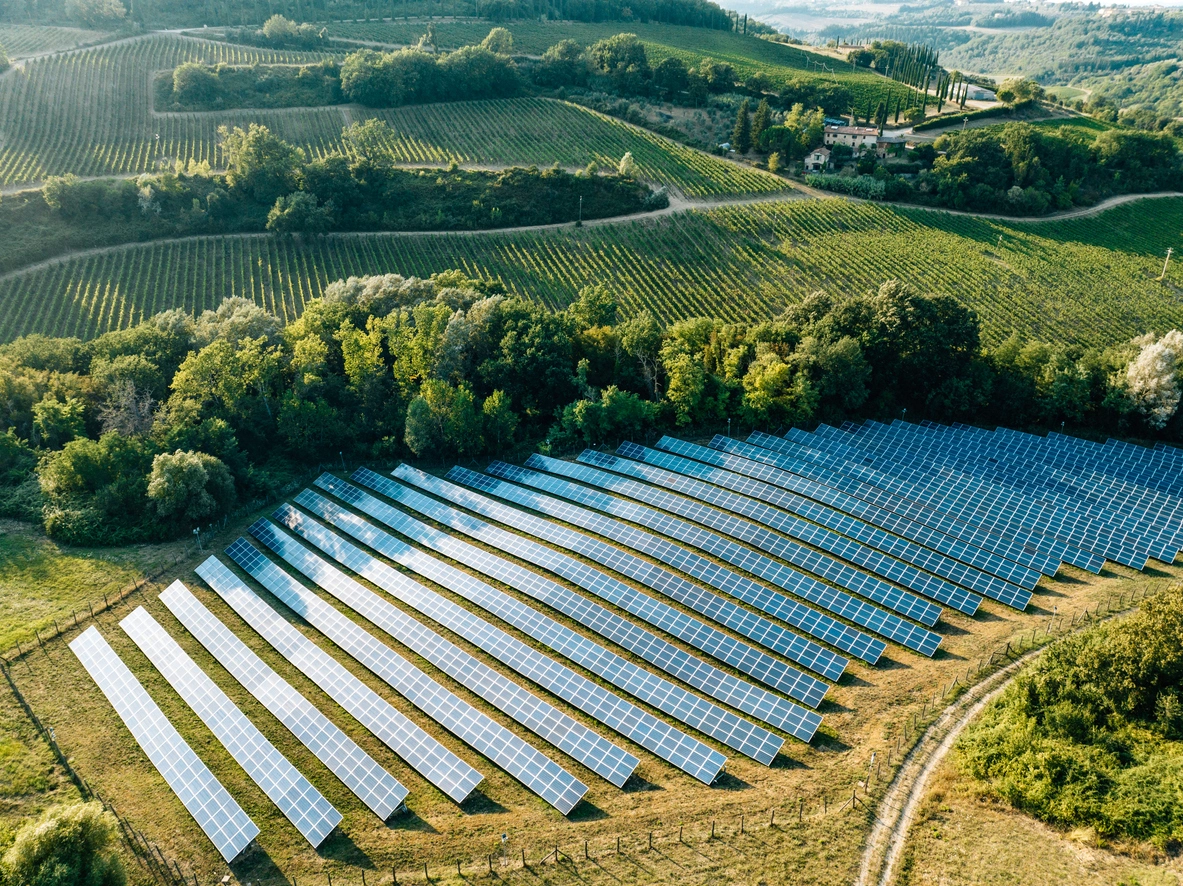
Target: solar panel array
{"points": [[229, 828], [302, 804], [574, 738], [517, 757], [752, 554], [697, 633], [694, 757], [427, 756], [372, 784]]}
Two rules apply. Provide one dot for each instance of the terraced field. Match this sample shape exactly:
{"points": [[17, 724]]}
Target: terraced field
{"points": [[1090, 280], [20, 41], [781, 63], [89, 113]]}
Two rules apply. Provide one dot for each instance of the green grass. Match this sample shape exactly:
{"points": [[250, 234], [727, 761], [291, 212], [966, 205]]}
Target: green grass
{"points": [[1084, 124], [1057, 280], [20, 41], [780, 62]]}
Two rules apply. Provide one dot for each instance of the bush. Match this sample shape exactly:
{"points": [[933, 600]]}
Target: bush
{"points": [[66, 846], [866, 187]]}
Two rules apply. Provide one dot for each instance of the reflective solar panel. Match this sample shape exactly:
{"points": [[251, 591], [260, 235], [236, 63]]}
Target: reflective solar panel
{"points": [[879, 513], [302, 804], [570, 736], [517, 757], [837, 543], [607, 707], [426, 755], [228, 827], [861, 613], [823, 566], [746, 697], [696, 758], [372, 784]]}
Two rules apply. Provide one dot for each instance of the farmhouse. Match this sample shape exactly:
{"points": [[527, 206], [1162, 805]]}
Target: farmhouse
{"points": [[889, 144], [854, 137], [818, 160]]}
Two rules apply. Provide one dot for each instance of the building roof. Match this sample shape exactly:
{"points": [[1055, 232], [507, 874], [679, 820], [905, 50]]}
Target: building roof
{"points": [[892, 140], [853, 130], [825, 151]]}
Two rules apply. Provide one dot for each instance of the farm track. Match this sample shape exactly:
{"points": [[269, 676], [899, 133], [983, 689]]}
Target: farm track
{"points": [[897, 810], [677, 204]]}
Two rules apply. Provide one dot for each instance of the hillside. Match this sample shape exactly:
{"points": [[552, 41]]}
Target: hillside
{"points": [[1051, 280]]}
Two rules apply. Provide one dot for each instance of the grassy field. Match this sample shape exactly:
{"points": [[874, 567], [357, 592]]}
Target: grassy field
{"points": [[1057, 280], [961, 837], [89, 114], [20, 41], [747, 55], [1085, 124], [813, 840]]}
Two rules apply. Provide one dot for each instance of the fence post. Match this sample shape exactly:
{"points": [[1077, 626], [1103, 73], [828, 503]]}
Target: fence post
{"points": [[427, 876], [712, 829], [741, 823]]}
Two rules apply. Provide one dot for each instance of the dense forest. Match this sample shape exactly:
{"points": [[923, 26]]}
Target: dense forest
{"points": [[153, 430], [1089, 737]]}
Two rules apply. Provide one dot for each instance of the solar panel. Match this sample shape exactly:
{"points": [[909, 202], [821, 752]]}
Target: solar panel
{"points": [[302, 804], [775, 508], [723, 647], [228, 827], [517, 757], [605, 706], [426, 755], [827, 567], [697, 759], [570, 736], [861, 613], [878, 513], [372, 784]]}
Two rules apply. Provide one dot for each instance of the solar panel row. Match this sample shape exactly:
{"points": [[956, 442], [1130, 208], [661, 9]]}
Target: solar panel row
{"points": [[372, 784], [758, 502], [540, 717], [521, 760], [817, 624], [695, 632], [798, 555], [783, 470], [605, 706], [704, 763], [228, 827], [426, 755], [302, 804]]}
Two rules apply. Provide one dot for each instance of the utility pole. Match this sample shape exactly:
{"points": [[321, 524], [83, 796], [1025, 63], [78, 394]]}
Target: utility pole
{"points": [[1165, 263]]}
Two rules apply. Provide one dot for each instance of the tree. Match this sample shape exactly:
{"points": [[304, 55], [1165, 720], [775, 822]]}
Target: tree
{"points": [[499, 419], [128, 410], [369, 141], [66, 846], [774, 163], [57, 422], [194, 84], [443, 419], [474, 72], [741, 135], [719, 76], [1153, 378], [671, 76], [619, 53], [299, 213], [97, 13], [640, 337], [563, 64], [596, 305], [259, 163], [628, 166], [190, 487], [760, 120], [279, 29], [499, 40]]}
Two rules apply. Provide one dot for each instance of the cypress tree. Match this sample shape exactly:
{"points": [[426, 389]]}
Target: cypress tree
{"points": [[760, 120], [741, 136]]}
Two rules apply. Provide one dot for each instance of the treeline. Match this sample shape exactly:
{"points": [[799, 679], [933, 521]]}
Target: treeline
{"points": [[1089, 736], [270, 185], [1018, 169], [154, 430], [194, 86], [245, 13]]}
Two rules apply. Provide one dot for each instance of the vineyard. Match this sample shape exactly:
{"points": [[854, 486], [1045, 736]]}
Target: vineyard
{"points": [[21, 41], [89, 113], [1055, 280], [747, 55]]}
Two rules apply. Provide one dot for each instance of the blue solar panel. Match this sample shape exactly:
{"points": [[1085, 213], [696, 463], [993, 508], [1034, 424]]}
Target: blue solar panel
{"points": [[655, 612], [521, 760], [540, 717], [746, 737], [819, 564]]}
